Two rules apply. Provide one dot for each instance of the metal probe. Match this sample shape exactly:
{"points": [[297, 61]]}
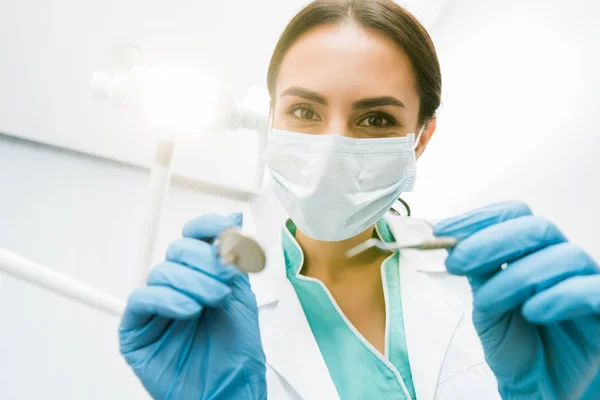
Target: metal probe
{"points": [[438, 243]]}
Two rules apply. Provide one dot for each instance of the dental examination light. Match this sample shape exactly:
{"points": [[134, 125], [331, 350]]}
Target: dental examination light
{"points": [[174, 100]]}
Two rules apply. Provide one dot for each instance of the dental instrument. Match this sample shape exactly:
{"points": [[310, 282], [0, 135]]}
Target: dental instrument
{"points": [[240, 250], [438, 243]]}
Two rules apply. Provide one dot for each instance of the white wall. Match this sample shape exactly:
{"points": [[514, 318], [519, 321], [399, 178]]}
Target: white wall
{"points": [[79, 216], [520, 116]]}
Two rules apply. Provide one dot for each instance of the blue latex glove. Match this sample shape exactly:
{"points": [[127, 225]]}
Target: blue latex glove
{"points": [[192, 332], [538, 319]]}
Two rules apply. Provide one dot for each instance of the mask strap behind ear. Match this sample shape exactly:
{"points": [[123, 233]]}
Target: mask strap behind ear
{"points": [[419, 136], [271, 116]]}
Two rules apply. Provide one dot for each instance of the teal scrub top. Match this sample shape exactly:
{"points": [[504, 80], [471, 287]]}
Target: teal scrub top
{"points": [[358, 370]]}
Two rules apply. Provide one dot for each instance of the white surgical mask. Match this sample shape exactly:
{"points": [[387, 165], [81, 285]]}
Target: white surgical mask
{"points": [[335, 187]]}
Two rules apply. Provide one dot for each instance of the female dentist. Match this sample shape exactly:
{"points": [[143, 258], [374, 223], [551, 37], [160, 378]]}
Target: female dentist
{"points": [[355, 86]]}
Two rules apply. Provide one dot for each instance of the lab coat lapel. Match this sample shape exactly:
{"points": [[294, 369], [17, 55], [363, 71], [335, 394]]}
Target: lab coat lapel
{"points": [[430, 315], [288, 342], [429, 324]]}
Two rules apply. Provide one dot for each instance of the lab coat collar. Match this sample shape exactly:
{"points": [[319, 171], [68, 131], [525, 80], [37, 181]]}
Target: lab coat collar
{"points": [[288, 342], [430, 320], [269, 284], [431, 316]]}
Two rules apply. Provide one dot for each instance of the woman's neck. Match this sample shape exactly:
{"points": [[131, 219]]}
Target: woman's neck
{"points": [[327, 261]]}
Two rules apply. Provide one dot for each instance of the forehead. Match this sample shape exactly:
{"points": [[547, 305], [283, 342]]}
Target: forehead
{"points": [[345, 60]]}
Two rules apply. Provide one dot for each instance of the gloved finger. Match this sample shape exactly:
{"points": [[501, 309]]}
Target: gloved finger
{"points": [[202, 257], [148, 301], [210, 226], [195, 284], [532, 274], [463, 226], [575, 297], [477, 281], [486, 250], [133, 339]]}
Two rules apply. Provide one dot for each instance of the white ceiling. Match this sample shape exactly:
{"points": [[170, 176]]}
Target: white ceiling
{"points": [[51, 48]]}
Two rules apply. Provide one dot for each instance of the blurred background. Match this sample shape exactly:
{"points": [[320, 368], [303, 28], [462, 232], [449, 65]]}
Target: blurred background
{"points": [[519, 121]]}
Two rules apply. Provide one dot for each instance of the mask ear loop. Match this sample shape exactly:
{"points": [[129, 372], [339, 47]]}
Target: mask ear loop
{"points": [[418, 139], [271, 116], [402, 202]]}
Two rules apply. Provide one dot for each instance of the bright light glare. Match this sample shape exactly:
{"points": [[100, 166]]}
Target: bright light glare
{"points": [[177, 99], [257, 99]]}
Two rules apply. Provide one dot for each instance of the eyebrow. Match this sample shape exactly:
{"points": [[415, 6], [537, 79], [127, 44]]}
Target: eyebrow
{"points": [[359, 105], [305, 94], [377, 102]]}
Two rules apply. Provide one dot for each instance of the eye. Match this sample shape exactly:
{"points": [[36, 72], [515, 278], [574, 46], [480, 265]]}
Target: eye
{"points": [[304, 112], [377, 121]]}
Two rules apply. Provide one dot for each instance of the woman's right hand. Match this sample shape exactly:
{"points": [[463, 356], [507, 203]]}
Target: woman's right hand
{"points": [[192, 332]]}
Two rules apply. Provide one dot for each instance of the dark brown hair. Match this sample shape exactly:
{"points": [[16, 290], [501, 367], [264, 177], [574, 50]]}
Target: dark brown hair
{"points": [[384, 16]]}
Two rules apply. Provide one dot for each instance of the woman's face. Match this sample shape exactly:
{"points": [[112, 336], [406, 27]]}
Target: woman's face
{"points": [[348, 81]]}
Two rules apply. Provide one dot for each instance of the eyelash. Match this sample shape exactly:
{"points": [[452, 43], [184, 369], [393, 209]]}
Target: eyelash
{"points": [[391, 121], [291, 110]]}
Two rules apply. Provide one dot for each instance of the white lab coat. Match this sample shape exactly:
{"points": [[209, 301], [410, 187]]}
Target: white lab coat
{"points": [[445, 353]]}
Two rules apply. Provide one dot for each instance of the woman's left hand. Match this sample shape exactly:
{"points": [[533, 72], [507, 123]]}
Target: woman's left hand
{"points": [[539, 317]]}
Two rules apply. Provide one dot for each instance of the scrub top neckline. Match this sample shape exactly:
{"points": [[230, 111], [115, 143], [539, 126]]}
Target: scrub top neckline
{"points": [[316, 298]]}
